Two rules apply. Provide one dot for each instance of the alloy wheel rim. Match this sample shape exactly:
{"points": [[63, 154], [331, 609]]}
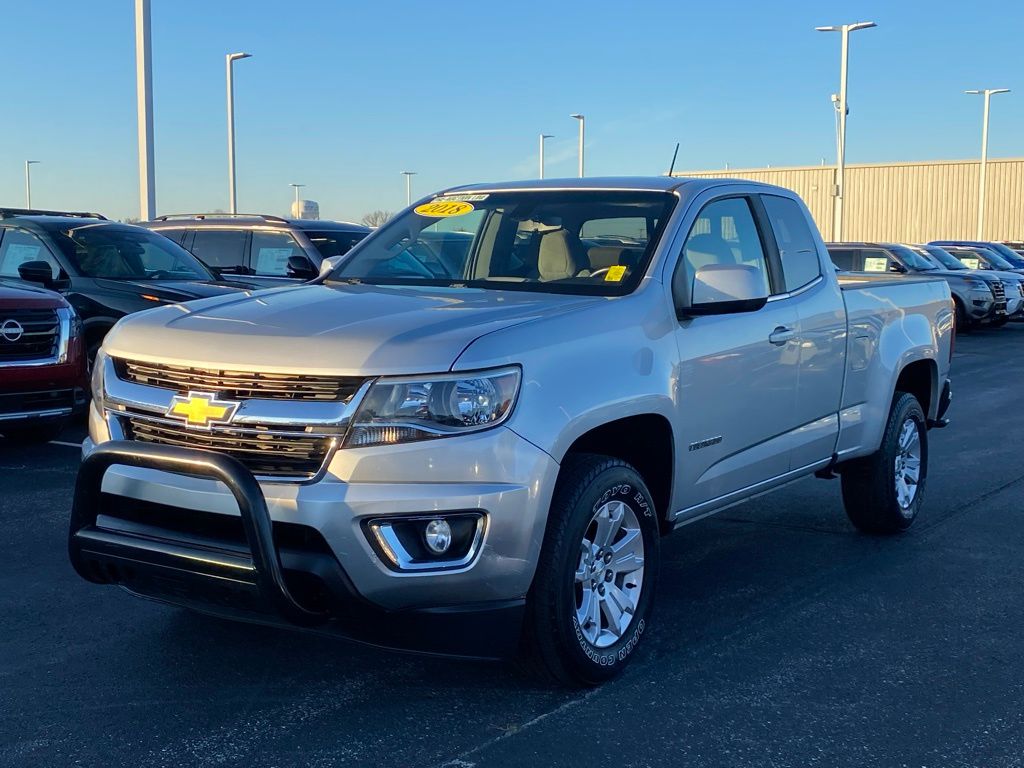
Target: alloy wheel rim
{"points": [[609, 575], [908, 464]]}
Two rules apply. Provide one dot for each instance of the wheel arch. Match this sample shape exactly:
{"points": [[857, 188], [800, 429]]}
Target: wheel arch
{"points": [[644, 440]]}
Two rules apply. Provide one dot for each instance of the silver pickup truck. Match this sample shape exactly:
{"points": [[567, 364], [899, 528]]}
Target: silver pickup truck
{"points": [[469, 435]]}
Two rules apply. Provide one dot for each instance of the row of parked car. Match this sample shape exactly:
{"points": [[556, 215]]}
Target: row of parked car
{"points": [[67, 278], [985, 278]]}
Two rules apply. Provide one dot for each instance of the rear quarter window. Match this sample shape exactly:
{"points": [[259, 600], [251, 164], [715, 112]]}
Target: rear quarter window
{"points": [[797, 248]]}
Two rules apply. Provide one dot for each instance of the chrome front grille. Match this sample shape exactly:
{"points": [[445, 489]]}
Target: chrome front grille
{"points": [[284, 427], [28, 334], [239, 385], [267, 451], [998, 291]]}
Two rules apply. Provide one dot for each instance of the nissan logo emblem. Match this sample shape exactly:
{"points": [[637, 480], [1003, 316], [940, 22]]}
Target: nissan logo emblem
{"points": [[11, 330]]}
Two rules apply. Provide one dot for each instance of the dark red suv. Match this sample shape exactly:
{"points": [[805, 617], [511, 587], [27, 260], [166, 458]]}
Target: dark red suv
{"points": [[43, 378]]}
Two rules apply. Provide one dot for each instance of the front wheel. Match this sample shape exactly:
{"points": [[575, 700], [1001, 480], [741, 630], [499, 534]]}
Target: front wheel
{"points": [[883, 492], [589, 604]]}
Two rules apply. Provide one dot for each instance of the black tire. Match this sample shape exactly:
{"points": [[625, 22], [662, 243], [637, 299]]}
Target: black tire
{"points": [[556, 644], [870, 484], [36, 434]]}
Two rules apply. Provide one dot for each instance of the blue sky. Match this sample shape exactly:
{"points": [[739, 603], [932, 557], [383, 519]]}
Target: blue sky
{"points": [[344, 96]]}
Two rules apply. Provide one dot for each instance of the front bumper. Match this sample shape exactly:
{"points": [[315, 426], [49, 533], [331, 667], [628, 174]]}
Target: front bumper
{"points": [[325, 550]]}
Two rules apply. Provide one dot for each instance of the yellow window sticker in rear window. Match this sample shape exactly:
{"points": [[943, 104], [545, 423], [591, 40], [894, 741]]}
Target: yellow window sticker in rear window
{"points": [[442, 209], [615, 274]]}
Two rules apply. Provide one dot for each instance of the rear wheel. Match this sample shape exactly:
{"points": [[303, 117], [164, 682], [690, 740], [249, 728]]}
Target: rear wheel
{"points": [[589, 603], [883, 492]]}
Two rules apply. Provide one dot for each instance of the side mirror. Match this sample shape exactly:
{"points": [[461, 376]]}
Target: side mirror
{"points": [[36, 272], [301, 267], [720, 289], [328, 265], [899, 268]]}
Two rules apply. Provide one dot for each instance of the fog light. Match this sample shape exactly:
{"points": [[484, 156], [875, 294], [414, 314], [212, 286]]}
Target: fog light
{"points": [[438, 535]]}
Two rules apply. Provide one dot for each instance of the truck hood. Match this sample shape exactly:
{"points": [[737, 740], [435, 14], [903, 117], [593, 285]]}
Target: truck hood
{"points": [[26, 296], [340, 330]]}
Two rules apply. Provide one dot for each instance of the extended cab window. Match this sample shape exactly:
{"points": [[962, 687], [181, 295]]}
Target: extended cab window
{"points": [[271, 251], [222, 249], [18, 247], [725, 233], [797, 250]]}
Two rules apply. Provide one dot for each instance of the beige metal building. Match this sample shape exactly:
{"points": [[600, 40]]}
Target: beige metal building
{"points": [[906, 202]]}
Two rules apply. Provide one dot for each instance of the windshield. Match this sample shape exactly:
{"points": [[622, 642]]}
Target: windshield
{"points": [[912, 259], [994, 259], [944, 257], [334, 243], [582, 242], [128, 253], [1008, 255]]}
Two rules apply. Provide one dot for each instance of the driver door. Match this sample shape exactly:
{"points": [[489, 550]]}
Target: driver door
{"points": [[737, 378]]}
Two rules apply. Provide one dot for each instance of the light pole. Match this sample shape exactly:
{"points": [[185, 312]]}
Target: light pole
{"points": [[144, 100], [231, 58], [408, 186], [583, 121], [987, 93], [28, 182], [295, 209], [542, 137], [840, 189]]}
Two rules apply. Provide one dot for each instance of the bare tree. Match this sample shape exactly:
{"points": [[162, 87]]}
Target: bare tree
{"points": [[376, 219]]}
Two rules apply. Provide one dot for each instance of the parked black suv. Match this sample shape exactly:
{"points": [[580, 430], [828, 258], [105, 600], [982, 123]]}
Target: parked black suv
{"points": [[103, 268], [267, 250]]}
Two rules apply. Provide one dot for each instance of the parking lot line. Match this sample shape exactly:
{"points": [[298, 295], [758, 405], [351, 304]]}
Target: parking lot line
{"points": [[62, 442]]}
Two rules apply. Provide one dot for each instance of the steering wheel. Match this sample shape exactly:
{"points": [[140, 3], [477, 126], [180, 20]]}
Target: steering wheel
{"points": [[160, 274]]}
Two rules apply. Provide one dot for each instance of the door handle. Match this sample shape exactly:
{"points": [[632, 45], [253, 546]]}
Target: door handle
{"points": [[781, 335]]}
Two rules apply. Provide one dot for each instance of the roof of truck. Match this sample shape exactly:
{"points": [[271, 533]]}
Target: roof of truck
{"points": [[613, 183]]}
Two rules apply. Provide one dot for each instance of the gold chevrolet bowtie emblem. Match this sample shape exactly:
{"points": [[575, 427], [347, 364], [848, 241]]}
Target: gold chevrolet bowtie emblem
{"points": [[202, 409]]}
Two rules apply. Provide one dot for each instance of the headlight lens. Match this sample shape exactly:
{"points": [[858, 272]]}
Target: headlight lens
{"points": [[401, 410], [96, 382], [978, 285]]}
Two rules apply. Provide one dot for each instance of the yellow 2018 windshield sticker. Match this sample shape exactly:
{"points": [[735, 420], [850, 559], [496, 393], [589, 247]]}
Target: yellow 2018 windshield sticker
{"points": [[615, 274], [439, 210]]}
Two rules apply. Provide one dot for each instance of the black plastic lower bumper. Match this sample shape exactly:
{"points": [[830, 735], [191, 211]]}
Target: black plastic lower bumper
{"points": [[245, 574]]}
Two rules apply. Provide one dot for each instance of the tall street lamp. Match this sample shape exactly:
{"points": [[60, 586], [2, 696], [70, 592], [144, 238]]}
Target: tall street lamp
{"points": [[144, 102], [840, 190], [231, 58], [295, 208], [583, 121], [408, 186], [28, 182], [987, 93], [542, 137]]}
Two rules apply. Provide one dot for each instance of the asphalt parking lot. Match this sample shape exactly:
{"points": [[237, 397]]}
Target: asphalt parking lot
{"points": [[781, 637]]}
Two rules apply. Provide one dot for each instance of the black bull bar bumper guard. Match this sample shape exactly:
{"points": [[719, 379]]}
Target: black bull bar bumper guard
{"points": [[91, 548], [248, 581]]}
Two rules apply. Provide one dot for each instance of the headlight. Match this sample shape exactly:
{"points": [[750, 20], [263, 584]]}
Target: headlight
{"points": [[96, 382], [978, 285], [401, 410]]}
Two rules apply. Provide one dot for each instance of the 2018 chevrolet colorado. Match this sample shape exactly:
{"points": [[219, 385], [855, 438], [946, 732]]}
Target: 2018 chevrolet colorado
{"points": [[474, 449]]}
